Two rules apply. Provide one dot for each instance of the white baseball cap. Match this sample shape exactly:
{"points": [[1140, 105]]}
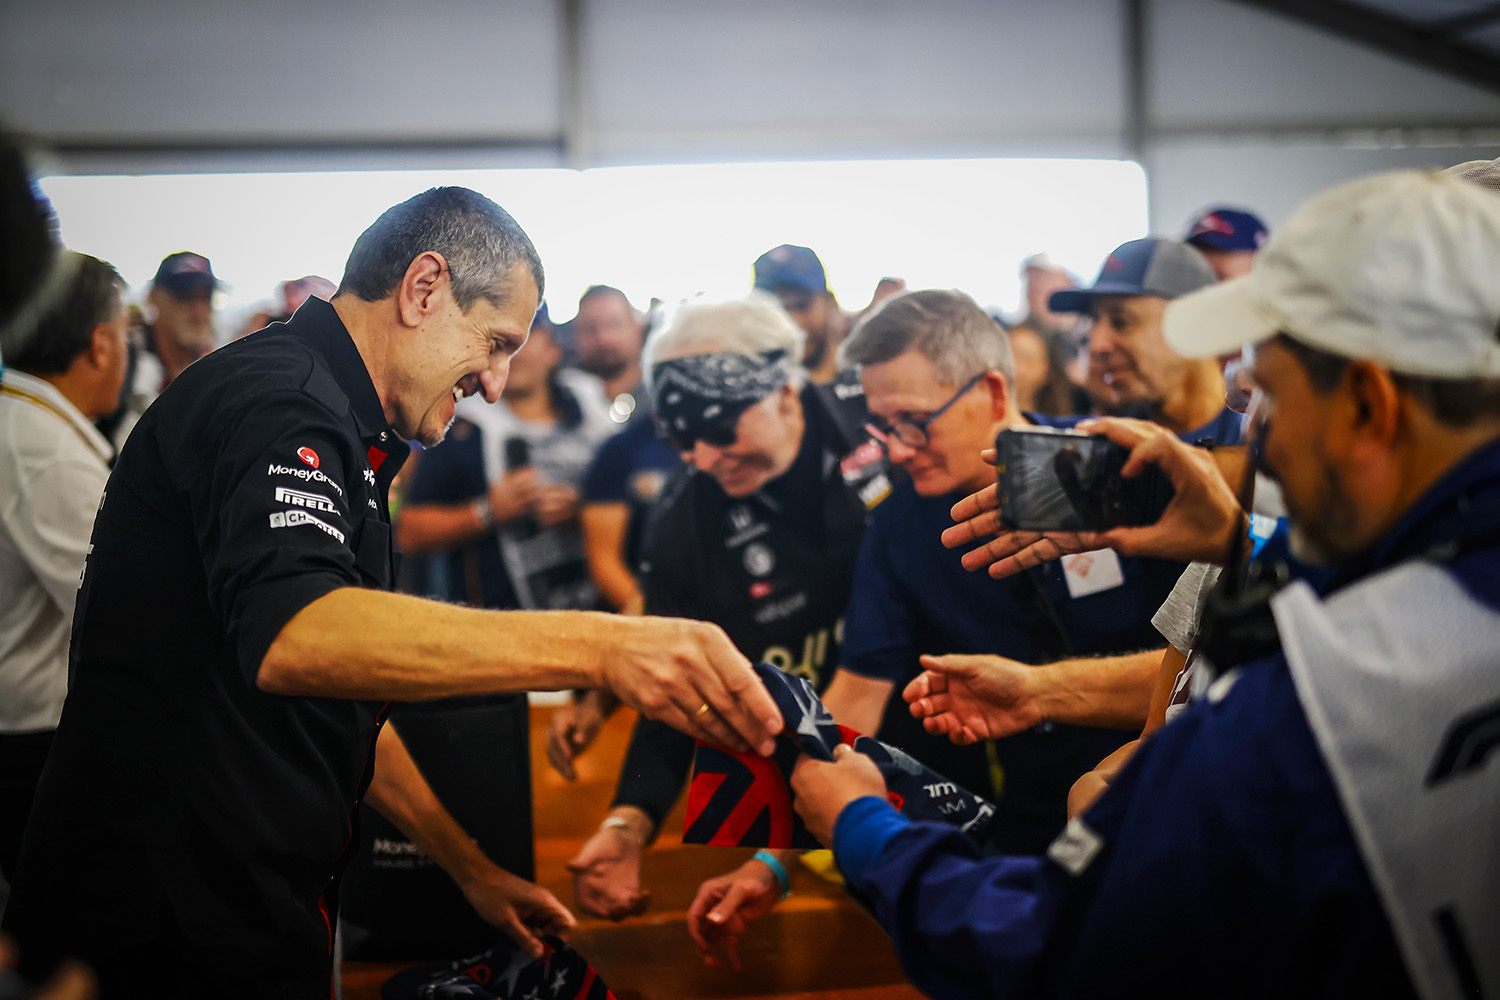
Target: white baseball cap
{"points": [[1400, 268]]}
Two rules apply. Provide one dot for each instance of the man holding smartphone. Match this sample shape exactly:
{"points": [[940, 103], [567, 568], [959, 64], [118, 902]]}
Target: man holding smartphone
{"points": [[1327, 815], [936, 373]]}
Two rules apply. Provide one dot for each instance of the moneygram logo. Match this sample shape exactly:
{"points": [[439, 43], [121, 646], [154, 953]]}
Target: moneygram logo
{"points": [[312, 501], [308, 455], [306, 475], [292, 518]]}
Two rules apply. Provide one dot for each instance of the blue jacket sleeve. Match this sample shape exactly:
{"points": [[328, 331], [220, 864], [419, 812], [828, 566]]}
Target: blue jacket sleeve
{"points": [[963, 926]]}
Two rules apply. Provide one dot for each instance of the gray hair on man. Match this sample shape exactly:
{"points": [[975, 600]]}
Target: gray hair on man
{"points": [[946, 326], [752, 325], [477, 238]]}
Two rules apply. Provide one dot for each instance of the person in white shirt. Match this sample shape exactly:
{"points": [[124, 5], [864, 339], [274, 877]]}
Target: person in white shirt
{"points": [[61, 374]]}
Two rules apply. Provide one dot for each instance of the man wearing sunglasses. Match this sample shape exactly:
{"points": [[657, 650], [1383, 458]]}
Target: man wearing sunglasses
{"points": [[759, 535]]}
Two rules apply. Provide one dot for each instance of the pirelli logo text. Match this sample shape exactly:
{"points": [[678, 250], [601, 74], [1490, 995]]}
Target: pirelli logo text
{"points": [[292, 518], [312, 501]]}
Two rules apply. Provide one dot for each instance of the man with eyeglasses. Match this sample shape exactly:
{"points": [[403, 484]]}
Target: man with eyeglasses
{"points": [[759, 535], [937, 374]]}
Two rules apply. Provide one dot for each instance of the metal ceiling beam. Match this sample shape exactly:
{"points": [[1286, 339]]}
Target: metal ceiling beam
{"points": [[1424, 46], [1137, 99], [577, 144]]}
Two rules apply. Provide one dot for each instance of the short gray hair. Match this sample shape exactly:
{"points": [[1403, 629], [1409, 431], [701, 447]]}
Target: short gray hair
{"points": [[480, 241], [946, 326], [751, 325]]}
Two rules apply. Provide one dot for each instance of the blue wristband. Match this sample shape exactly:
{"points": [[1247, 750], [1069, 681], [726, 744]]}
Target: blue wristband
{"points": [[770, 861]]}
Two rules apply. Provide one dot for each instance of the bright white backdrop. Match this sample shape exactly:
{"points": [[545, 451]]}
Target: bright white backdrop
{"points": [[665, 231]]}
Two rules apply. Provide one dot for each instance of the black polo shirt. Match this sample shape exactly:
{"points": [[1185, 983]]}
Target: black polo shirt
{"points": [[188, 822]]}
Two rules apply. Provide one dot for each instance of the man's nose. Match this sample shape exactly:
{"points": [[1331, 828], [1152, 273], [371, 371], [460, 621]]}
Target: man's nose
{"points": [[899, 451], [704, 456], [492, 379], [1101, 337]]}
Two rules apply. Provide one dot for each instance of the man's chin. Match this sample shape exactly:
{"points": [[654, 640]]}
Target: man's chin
{"points": [[431, 437]]}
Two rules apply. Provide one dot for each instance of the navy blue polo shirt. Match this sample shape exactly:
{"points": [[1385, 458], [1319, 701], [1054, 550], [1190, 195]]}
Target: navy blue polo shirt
{"points": [[913, 596]]}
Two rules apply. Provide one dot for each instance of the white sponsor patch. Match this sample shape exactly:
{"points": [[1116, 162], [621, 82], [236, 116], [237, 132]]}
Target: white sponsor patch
{"points": [[306, 475], [312, 501], [1090, 572], [292, 518], [1076, 847]]}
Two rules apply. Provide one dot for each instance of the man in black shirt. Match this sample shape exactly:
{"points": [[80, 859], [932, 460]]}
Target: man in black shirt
{"points": [[759, 537], [233, 648]]}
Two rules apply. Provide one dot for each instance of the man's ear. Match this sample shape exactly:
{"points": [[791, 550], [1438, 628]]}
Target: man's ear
{"points": [[103, 346], [1000, 398], [1375, 403], [418, 295]]}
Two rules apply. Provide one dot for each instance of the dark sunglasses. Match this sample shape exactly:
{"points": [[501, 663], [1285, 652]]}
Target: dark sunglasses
{"points": [[719, 432]]}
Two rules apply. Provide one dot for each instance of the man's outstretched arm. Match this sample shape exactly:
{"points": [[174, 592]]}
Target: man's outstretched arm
{"points": [[358, 643]]}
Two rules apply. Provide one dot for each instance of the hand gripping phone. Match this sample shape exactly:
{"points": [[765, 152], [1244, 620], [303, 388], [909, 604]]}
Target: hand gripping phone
{"points": [[1061, 480]]}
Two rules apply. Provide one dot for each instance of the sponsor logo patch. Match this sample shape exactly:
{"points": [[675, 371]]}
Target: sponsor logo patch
{"points": [[308, 455], [370, 476], [312, 501], [306, 475], [783, 608], [759, 559], [292, 518]]}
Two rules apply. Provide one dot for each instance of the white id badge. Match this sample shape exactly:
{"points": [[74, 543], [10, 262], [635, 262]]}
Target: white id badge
{"points": [[1090, 572]]}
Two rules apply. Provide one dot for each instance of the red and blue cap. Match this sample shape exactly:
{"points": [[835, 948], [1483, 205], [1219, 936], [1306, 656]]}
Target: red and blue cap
{"points": [[1152, 266], [1225, 228]]}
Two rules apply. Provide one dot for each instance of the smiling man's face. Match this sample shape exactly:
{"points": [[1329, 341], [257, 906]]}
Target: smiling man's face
{"points": [[456, 354]]}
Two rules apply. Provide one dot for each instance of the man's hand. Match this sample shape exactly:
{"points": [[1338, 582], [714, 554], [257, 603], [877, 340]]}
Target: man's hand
{"points": [[823, 789], [1197, 526], [607, 875], [1004, 550], [573, 728], [514, 495], [555, 503], [689, 675], [726, 905], [520, 908], [1204, 516], [973, 698]]}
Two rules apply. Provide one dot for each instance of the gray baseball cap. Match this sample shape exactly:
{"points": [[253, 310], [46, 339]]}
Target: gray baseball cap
{"points": [[1152, 266]]}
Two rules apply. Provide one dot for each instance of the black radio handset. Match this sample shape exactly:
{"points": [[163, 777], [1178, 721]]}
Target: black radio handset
{"points": [[1237, 624]]}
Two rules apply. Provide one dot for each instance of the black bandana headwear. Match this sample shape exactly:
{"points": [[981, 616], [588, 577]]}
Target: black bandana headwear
{"points": [[701, 397]]}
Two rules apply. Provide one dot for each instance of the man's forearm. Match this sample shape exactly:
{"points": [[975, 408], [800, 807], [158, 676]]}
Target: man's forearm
{"points": [[438, 527], [358, 643], [400, 794], [1111, 691]]}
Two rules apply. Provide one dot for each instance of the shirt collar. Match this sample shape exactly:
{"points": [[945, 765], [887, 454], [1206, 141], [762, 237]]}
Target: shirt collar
{"points": [[55, 402], [318, 323]]}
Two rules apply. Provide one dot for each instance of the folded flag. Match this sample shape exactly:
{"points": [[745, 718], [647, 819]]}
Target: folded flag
{"points": [[745, 800], [503, 972]]}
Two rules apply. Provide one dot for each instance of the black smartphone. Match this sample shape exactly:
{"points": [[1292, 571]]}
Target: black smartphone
{"points": [[1060, 480], [517, 454]]}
